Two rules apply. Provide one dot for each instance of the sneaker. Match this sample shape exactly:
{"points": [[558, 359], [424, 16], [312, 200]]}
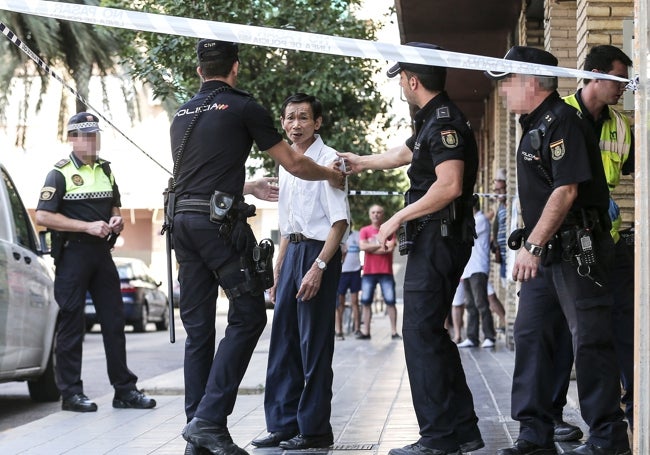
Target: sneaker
{"points": [[396, 336], [487, 343], [466, 344], [339, 336], [362, 336]]}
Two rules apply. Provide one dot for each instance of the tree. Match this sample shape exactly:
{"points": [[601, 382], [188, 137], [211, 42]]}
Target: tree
{"points": [[77, 48], [351, 102]]}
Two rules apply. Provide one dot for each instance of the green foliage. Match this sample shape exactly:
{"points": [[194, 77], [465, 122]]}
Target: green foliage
{"points": [[351, 102]]}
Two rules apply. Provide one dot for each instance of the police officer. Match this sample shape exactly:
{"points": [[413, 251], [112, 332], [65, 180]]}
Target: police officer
{"points": [[444, 160], [80, 203], [562, 266], [211, 138], [614, 133]]}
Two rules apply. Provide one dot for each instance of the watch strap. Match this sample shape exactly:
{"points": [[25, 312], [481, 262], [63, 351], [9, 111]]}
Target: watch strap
{"points": [[535, 250]]}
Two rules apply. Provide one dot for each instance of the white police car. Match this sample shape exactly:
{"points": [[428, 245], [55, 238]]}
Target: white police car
{"points": [[28, 310]]}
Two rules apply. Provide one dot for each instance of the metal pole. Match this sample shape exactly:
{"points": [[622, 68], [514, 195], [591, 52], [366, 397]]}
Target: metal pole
{"points": [[641, 440]]}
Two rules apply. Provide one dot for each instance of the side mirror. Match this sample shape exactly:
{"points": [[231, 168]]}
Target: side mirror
{"points": [[45, 242]]}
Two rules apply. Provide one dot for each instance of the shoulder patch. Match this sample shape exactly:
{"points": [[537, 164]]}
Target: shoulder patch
{"points": [[59, 164], [557, 149], [47, 193], [449, 138], [442, 112]]}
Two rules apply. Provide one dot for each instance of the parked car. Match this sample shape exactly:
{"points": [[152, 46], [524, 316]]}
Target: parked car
{"points": [[28, 310], [143, 299]]}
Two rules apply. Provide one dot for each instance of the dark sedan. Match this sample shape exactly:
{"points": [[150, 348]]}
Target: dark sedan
{"points": [[144, 302]]}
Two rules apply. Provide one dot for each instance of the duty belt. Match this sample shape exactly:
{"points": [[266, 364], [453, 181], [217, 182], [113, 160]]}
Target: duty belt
{"points": [[82, 237], [192, 205]]}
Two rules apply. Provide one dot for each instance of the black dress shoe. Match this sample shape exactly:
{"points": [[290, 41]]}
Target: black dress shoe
{"points": [[563, 431], [78, 403], [523, 447], [133, 399], [301, 442], [472, 446], [211, 436], [590, 449], [419, 449], [272, 439]]}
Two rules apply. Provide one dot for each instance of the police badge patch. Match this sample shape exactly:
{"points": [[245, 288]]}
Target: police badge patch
{"points": [[47, 193], [449, 138], [77, 180], [557, 149]]}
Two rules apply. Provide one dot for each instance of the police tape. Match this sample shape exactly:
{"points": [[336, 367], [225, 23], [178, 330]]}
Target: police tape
{"points": [[11, 36], [284, 39]]}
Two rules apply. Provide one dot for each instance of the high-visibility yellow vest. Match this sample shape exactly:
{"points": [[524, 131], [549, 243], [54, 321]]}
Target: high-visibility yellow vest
{"points": [[615, 143]]}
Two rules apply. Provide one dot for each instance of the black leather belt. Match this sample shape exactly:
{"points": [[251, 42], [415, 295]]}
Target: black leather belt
{"points": [[81, 237], [297, 237], [192, 205]]}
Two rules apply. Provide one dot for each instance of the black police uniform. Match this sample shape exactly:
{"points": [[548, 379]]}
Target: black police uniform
{"points": [[80, 192], [214, 159], [569, 154], [622, 286], [442, 400]]}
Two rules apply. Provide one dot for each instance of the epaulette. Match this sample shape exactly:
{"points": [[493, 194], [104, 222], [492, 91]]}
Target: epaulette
{"points": [[240, 92], [443, 112], [59, 164], [547, 119]]}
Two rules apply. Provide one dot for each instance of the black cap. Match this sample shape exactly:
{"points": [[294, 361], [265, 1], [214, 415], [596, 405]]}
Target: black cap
{"points": [[415, 67], [84, 122], [211, 49], [524, 54]]}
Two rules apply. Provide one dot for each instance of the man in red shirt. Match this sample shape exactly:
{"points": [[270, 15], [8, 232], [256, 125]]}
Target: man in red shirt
{"points": [[377, 269]]}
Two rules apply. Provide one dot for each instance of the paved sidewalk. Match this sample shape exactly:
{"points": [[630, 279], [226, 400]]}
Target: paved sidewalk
{"points": [[371, 409]]}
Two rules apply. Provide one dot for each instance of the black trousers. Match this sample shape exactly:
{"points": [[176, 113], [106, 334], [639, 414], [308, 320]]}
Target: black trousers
{"points": [[212, 378], [622, 319], [89, 267], [298, 395], [442, 400], [559, 292]]}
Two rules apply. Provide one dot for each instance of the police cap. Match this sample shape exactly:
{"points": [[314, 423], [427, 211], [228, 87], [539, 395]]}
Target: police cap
{"points": [[84, 122], [415, 67], [210, 49], [524, 54]]}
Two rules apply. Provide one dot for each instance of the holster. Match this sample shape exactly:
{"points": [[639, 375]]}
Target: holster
{"points": [[263, 261], [169, 204], [57, 243]]}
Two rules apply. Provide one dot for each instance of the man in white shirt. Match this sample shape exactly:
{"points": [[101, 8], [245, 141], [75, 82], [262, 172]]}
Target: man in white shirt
{"points": [[313, 221], [475, 278]]}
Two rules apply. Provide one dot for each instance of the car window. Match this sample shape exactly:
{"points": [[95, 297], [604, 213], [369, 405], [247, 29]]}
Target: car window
{"points": [[125, 272], [22, 224]]}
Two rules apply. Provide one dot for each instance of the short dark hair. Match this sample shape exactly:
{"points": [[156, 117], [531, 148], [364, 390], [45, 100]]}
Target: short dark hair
{"points": [[316, 106], [602, 58], [434, 82], [218, 68]]}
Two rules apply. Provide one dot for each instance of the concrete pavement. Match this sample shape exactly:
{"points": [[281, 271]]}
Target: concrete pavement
{"points": [[371, 408]]}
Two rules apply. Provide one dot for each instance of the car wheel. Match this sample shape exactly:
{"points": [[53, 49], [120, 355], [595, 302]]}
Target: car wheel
{"points": [[164, 323], [44, 388], [141, 324]]}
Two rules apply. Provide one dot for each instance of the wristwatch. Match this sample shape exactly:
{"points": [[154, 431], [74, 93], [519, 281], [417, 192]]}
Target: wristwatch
{"points": [[533, 249], [321, 264]]}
